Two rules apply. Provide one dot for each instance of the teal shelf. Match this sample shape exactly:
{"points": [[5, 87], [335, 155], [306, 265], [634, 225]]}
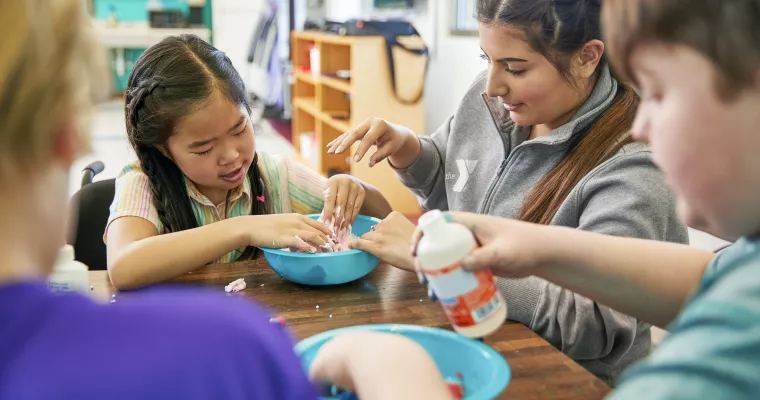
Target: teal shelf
{"points": [[136, 11], [130, 58], [132, 10]]}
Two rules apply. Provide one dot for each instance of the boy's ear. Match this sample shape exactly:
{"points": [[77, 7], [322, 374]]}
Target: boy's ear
{"points": [[757, 79], [68, 144]]}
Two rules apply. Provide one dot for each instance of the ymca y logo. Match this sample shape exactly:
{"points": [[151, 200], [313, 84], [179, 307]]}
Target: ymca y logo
{"points": [[465, 167]]}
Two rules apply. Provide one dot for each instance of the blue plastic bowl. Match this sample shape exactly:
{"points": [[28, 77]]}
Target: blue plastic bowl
{"points": [[325, 268], [486, 373]]}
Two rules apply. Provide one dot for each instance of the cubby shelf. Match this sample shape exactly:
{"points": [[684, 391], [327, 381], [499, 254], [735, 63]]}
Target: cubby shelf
{"points": [[325, 106]]}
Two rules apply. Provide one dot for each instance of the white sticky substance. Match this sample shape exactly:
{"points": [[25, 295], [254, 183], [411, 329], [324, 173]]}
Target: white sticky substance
{"points": [[301, 242], [235, 286], [340, 239]]}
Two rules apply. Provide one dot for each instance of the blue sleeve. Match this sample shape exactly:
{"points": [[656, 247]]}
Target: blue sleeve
{"points": [[713, 351]]}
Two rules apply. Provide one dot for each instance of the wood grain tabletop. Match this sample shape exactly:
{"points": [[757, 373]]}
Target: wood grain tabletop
{"points": [[390, 295]]}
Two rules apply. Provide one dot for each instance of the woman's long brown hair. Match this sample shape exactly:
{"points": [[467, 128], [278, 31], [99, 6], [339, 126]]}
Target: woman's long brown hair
{"points": [[602, 139], [558, 29]]}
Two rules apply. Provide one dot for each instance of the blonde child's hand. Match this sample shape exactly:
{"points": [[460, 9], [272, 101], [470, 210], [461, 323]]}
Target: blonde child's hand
{"points": [[510, 248], [389, 241], [286, 230], [344, 198], [389, 138], [379, 366]]}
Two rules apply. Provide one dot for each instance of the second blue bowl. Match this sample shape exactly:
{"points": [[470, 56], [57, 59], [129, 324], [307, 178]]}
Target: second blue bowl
{"points": [[486, 373]]}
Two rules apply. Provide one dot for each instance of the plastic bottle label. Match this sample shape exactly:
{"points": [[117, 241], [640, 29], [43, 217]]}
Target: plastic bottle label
{"points": [[468, 298], [60, 287]]}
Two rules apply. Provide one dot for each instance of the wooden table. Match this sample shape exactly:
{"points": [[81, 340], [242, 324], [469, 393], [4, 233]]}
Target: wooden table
{"points": [[390, 295]]}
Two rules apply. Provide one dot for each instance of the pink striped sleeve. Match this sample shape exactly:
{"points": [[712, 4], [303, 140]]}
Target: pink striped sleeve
{"points": [[133, 197], [306, 188]]}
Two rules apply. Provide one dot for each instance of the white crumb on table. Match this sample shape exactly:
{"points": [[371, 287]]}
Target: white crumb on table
{"points": [[235, 286]]}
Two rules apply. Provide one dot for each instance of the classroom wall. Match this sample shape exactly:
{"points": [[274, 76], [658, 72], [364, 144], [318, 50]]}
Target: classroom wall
{"points": [[341, 10], [454, 65], [234, 24]]}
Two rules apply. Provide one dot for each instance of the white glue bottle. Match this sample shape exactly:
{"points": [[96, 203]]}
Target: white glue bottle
{"points": [[68, 275], [471, 300]]}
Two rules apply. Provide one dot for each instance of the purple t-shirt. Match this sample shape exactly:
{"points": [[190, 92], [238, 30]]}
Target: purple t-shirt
{"points": [[170, 343]]}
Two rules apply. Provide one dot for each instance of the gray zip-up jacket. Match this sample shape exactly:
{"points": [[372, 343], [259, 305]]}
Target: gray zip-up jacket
{"points": [[480, 161]]}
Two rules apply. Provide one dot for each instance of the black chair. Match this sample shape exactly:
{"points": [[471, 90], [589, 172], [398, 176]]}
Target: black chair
{"points": [[88, 215]]}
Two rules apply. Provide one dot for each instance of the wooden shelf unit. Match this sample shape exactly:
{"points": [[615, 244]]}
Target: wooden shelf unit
{"points": [[324, 107]]}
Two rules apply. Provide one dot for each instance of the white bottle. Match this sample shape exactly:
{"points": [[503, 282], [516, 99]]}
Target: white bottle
{"points": [[68, 275], [315, 62], [471, 300]]}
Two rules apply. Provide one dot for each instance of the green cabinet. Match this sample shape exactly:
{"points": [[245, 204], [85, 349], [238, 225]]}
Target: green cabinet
{"points": [[120, 74]]}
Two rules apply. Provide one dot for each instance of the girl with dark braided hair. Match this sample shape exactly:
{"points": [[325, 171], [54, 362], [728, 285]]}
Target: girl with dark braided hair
{"points": [[199, 191]]}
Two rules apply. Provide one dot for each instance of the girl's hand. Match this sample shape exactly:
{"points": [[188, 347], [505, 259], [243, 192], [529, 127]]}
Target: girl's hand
{"points": [[391, 140], [510, 248], [389, 241], [286, 230], [344, 198]]}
